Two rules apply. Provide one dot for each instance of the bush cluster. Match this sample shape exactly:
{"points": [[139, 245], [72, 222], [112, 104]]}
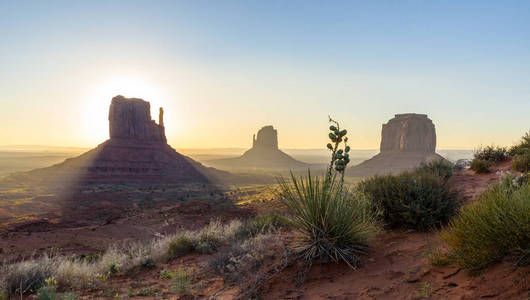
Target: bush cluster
{"points": [[480, 166], [440, 168], [521, 162], [496, 226], [521, 154], [491, 153], [485, 157], [417, 200], [522, 147]]}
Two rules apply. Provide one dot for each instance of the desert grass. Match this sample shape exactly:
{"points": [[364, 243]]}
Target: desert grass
{"points": [[495, 227], [29, 276]]}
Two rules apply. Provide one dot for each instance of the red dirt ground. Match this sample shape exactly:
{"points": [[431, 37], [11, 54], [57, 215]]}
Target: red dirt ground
{"points": [[398, 268]]}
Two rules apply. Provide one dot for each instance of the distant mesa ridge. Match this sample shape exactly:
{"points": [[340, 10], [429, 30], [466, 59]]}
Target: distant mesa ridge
{"points": [[407, 140], [137, 151], [264, 154]]}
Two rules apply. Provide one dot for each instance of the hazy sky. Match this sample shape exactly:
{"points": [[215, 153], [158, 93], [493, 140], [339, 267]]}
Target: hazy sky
{"points": [[223, 69]]}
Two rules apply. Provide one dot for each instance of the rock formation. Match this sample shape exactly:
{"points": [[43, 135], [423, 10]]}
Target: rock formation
{"points": [[407, 140], [131, 119], [267, 138], [264, 154], [408, 132], [136, 151]]}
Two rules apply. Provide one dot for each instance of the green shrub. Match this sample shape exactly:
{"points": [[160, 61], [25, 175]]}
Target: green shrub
{"points": [[331, 223], [149, 263], [181, 282], [491, 153], [180, 245], [494, 227], [259, 224], [419, 201], [480, 165], [168, 274], [441, 168], [522, 147], [521, 161]]}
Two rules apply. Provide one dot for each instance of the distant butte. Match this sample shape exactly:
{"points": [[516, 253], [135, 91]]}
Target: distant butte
{"points": [[264, 154], [137, 151], [407, 140]]}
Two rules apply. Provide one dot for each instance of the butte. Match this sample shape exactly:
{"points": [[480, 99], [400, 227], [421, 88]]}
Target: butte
{"points": [[407, 141], [136, 152], [264, 154]]}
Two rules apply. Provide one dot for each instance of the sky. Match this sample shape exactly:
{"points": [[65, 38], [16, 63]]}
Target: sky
{"points": [[224, 69]]}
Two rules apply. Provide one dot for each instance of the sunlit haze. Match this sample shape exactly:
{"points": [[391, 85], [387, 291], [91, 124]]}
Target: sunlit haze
{"points": [[223, 71]]}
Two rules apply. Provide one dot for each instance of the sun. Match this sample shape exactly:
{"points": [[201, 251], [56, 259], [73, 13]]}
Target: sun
{"points": [[94, 110]]}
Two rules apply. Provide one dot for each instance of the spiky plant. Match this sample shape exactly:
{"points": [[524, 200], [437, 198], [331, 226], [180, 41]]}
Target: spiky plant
{"points": [[332, 223]]}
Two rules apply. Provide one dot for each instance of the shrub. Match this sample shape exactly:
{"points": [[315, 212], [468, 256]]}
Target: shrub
{"points": [[521, 161], [419, 201], [330, 222], [492, 228], [259, 224], [181, 282], [167, 274], [491, 153], [26, 277], [149, 264], [241, 259], [180, 245], [441, 168], [480, 165], [522, 147]]}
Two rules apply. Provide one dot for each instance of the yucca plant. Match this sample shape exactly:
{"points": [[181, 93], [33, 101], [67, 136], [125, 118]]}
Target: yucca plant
{"points": [[332, 224]]}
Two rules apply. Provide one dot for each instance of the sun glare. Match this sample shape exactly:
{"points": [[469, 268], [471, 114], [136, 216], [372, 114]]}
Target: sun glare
{"points": [[96, 106]]}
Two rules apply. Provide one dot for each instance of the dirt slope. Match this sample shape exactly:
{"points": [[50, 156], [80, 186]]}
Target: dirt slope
{"points": [[398, 268]]}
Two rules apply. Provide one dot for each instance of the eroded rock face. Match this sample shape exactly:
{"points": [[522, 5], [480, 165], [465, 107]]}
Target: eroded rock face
{"points": [[130, 118], [407, 141], [267, 138], [408, 132]]}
